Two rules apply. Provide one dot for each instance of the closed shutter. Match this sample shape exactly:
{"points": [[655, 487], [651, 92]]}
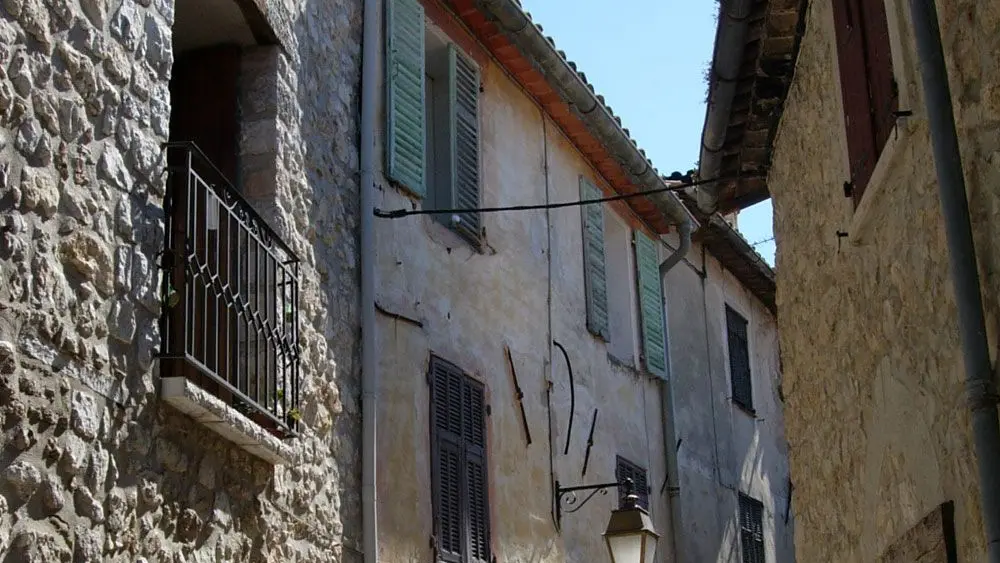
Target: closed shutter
{"points": [[463, 81], [446, 402], [459, 475], [854, 88], [474, 438], [595, 276], [752, 529], [878, 61], [625, 469], [406, 137], [651, 303], [739, 358]]}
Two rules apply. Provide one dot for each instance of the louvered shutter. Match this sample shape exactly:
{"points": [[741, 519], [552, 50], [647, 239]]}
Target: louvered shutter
{"points": [[739, 358], [475, 472], [463, 83], [446, 401], [878, 62], [405, 128], [854, 88], [625, 469], [595, 274], [751, 529], [651, 302], [459, 472]]}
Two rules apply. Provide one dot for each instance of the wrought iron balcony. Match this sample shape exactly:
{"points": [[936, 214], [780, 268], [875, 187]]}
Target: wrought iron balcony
{"points": [[230, 295]]}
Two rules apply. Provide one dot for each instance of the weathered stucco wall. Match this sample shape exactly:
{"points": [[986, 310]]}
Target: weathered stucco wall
{"points": [[95, 466], [470, 305], [724, 449], [438, 295], [878, 428]]}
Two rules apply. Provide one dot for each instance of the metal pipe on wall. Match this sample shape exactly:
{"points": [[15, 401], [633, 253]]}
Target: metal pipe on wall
{"points": [[730, 40], [369, 377], [667, 405], [980, 388]]}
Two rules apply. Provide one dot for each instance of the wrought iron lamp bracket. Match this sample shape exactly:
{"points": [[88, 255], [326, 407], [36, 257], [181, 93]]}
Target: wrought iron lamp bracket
{"points": [[568, 496]]}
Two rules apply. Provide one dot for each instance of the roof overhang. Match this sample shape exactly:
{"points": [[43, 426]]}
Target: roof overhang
{"points": [[546, 75], [743, 113]]}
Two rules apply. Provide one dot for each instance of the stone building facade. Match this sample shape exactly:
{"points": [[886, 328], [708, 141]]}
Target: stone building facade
{"points": [[506, 307], [881, 444], [96, 465]]}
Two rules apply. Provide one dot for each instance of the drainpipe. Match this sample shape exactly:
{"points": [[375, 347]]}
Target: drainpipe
{"points": [[981, 392], [730, 39], [667, 407], [369, 377]]}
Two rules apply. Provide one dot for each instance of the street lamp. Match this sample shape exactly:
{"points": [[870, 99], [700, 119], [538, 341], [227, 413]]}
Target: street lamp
{"points": [[630, 535]]}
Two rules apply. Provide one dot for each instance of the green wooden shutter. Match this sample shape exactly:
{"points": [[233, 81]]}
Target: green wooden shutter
{"points": [[595, 276], [463, 104], [405, 128], [651, 303]]}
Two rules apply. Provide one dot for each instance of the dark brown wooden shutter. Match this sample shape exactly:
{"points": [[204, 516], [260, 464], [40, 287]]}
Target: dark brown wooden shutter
{"points": [[461, 501], [446, 402], [625, 469], [739, 358], [752, 529], [847, 18], [474, 437], [881, 82]]}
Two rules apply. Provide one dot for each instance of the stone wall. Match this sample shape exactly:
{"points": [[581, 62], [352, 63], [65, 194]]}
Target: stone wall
{"points": [[879, 431], [94, 466]]}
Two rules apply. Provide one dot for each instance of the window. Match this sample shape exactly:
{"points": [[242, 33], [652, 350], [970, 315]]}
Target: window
{"points": [[621, 290], [433, 118], [752, 529], [609, 281], [869, 90], [231, 284], [739, 359], [625, 469], [458, 433]]}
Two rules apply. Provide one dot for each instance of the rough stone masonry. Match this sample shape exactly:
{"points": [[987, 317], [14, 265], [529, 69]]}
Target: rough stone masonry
{"points": [[94, 466]]}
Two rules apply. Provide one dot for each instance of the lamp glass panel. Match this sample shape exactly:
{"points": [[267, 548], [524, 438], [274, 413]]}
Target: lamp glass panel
{"points": [[625, 548]]}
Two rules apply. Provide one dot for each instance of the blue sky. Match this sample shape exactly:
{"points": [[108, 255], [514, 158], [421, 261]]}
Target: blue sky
{"points": [[648, 58]]}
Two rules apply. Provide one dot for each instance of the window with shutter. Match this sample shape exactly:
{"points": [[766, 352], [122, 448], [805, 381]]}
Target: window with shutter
{"points": [[461, 499], [752, 529], [625, 469], [739, 359], [451, 111], [595, 275], [867, 84], [464, 134], [647, 263], [405, 127]]}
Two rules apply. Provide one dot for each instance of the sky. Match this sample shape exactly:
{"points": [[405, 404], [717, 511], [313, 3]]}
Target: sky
{"points": [[649, 59]]}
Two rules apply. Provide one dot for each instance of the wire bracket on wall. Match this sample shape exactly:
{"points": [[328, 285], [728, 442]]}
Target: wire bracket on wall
{"points": [[572, 395], [590, 443], [519, 395]]}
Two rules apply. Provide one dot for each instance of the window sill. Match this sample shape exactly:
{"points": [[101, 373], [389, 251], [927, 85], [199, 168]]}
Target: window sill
{"points": [[226, 421], [861, 221], [748, 410]]}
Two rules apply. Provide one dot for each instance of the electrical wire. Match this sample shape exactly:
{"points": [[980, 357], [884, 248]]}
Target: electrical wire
{"points": [[397, 213]]}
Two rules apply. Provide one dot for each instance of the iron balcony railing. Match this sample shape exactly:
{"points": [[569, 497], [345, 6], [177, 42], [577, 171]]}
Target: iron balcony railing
{"points": [[230, 295]]}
